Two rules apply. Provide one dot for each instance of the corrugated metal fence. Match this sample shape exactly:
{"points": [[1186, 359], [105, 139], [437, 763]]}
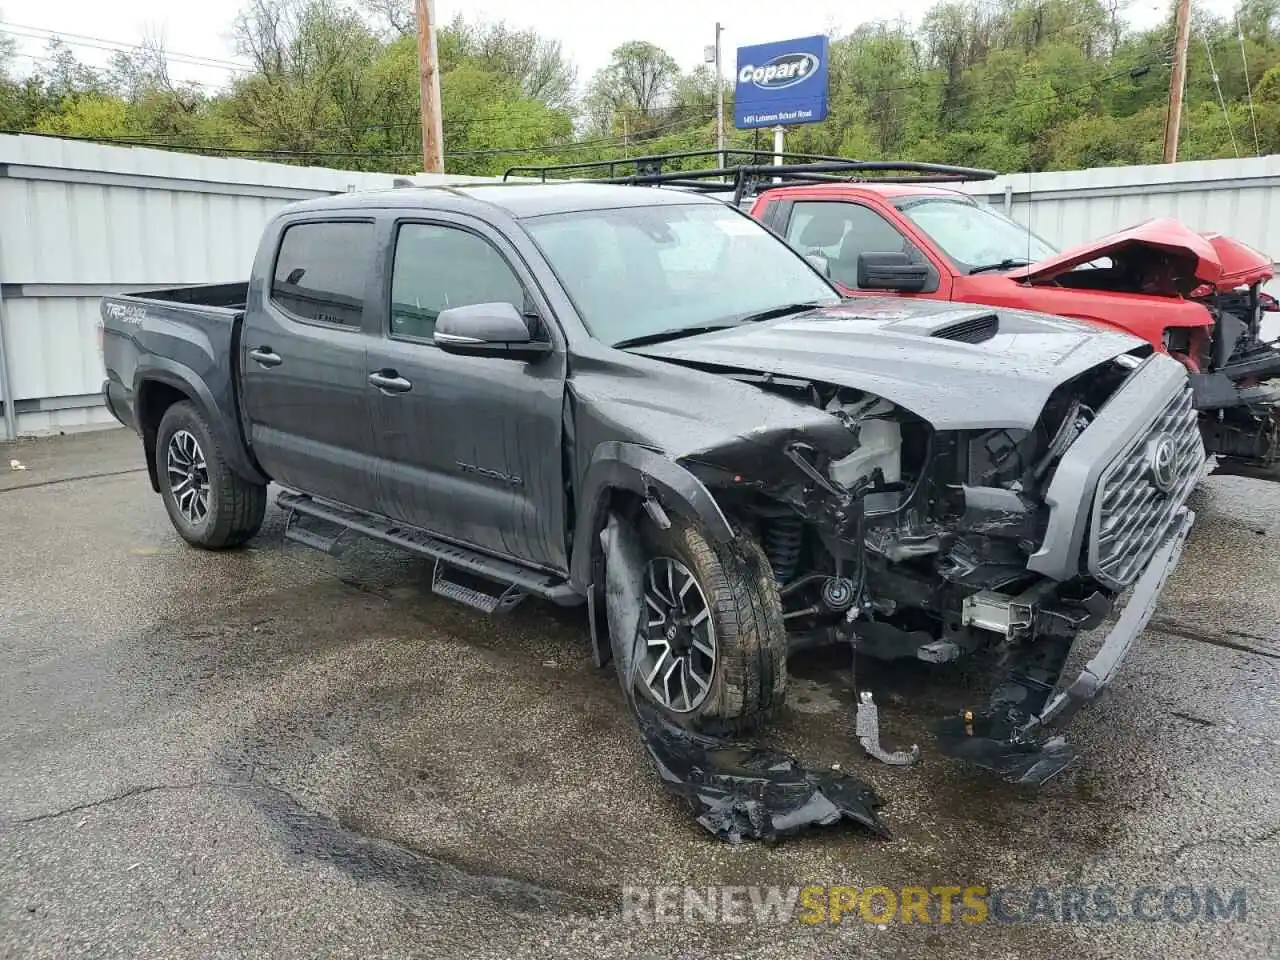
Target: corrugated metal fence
{"points": [[79, 221]]}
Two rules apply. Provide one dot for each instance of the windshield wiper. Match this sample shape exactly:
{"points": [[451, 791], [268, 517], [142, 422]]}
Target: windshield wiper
{"points": [[778, 311], [674, 333], [677, 332], [1007, 264]]}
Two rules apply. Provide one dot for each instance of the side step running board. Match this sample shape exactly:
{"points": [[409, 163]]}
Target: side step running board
{"points": [[472, 596], [511, 580]]}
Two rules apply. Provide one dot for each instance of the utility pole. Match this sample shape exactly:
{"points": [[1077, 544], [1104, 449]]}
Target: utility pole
{"points": [[719, 99], [429, 89], [1178, 80], [712, 55], [778, 133]]}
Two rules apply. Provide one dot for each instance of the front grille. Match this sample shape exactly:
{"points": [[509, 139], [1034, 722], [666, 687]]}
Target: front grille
{"points": [[1132, 515]]}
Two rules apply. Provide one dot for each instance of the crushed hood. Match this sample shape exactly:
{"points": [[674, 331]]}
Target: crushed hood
{"points": [[1209, 257], [1241, 264], [1199, 257], [902, 350]]}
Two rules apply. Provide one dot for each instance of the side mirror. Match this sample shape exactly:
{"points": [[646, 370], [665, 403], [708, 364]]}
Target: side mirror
{"points": [[820, 263], [891, 271], [486, 330]]}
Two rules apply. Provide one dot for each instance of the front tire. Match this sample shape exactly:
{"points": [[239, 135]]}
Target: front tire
{"points": [[209, 504], [715, 656]]}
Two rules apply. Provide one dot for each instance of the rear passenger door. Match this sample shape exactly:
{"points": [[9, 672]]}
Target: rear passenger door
{"points": [[841, 230], [470, 447], [303, 350]]}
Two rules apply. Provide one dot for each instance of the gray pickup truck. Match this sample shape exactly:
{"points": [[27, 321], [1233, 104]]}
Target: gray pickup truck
{"points": [[486, 375]]}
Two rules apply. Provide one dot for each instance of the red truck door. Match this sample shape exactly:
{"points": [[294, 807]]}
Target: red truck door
{"points": [[840, 231]]}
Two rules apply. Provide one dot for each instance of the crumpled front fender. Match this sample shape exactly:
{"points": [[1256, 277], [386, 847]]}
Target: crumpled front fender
{"points": [[647, 473]]}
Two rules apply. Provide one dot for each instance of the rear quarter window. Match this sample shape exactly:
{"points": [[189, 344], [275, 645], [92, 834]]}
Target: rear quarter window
{"points": [[322, 270]]}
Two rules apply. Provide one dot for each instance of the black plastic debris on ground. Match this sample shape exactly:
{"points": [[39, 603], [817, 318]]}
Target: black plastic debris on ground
{"points": [[994, 741], [737, 791]]}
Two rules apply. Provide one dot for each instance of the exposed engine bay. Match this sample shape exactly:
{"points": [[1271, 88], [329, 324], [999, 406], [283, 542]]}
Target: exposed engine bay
{"points": [[895, 538], [914, 543]]}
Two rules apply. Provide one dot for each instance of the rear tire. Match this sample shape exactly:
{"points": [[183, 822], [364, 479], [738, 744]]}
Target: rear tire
{"points": [[743, 688], [209, 504]]}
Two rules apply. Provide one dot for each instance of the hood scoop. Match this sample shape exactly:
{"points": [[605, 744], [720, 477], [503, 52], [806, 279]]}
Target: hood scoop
{"points": [[974, 329]]}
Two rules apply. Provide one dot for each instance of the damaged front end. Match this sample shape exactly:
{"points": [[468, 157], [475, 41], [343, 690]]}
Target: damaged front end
{"points": [[908, 542], [1237, 383]]}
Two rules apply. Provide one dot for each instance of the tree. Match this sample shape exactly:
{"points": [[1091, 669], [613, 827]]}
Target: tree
{"points": [[639, 79], [310, 89], [536, 63]]}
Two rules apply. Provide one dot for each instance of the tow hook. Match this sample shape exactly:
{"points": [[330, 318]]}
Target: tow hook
{"points": [[867, 726]]}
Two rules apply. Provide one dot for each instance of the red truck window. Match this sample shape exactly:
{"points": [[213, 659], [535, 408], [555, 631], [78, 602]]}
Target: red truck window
{"points": [[840, 231]]}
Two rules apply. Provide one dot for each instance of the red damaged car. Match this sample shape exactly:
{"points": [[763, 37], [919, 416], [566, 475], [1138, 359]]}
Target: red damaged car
{"points": [[882, 228], [1196, 296]]}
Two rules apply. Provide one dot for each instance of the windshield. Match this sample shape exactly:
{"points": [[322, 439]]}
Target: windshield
{"points": [[634, 272], [974, 235]]}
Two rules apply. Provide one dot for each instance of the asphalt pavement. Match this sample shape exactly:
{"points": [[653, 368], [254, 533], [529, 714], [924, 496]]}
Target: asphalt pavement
{"points": [[275, 753]]}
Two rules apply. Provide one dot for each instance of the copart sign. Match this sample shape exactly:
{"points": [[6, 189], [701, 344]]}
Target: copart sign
{"points": [[781, 83]]}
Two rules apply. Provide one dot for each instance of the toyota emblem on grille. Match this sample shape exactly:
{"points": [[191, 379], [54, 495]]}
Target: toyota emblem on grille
{"points": [[1162, 463]]}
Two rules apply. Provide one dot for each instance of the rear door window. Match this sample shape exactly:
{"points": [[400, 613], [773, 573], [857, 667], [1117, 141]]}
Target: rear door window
{"points": [[322, 271]]}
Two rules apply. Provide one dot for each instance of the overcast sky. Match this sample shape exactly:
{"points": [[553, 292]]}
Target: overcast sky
{"points": [[201, 27]]}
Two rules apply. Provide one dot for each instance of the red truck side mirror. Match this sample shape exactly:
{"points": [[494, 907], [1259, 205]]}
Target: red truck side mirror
{"points": [[891, 271]]}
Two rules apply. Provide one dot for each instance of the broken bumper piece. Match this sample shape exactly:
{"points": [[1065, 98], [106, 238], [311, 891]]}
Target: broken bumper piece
{"points": [[740, 792], [1013, 742], [735, 791]]}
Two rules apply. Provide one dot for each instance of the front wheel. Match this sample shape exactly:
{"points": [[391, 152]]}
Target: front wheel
{"points": [[715, 655], [209, 504]]}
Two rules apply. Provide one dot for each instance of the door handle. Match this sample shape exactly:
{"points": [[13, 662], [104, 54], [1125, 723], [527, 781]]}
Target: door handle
{"points": [[390, 382], [266, 357]]}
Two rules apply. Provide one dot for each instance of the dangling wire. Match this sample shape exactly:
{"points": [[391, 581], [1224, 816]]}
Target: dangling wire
{"points": [[1248, 86], [1213, 71]]}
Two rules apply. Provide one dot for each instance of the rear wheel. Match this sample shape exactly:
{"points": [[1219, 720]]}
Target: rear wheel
{"points": [[209, 505], [715, 655]]}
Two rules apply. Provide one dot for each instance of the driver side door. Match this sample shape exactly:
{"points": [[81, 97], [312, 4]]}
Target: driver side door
{"points": [[842, 230], [469, 446]]}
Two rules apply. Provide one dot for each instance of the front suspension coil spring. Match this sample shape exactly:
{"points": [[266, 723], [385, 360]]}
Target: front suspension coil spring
{"points": [[783, 538]]}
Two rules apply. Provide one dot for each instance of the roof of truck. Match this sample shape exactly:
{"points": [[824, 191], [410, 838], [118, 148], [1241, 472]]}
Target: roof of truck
{"points": [[873, 186], [517, 199]]}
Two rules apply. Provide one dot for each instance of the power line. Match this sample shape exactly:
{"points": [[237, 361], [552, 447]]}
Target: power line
{"points": [[221, 142], [600, 144], [116, 46], [1213, 71], [46, 62], [1248, 86]]}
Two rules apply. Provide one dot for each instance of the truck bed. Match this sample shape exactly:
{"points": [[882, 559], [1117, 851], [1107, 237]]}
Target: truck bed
{"points": [[182, 339], [229, 295]]}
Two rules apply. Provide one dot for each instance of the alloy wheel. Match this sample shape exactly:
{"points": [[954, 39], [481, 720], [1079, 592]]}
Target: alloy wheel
{"points": [[679, 658], [188, 476]]}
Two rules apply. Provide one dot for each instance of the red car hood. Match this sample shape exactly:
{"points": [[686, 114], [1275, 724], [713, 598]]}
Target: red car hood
{"points": [[1241, 264], [1209, 257]]}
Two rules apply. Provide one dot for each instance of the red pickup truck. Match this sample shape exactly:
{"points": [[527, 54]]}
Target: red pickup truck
{"points": [[1196, 296], [880, 228]]}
